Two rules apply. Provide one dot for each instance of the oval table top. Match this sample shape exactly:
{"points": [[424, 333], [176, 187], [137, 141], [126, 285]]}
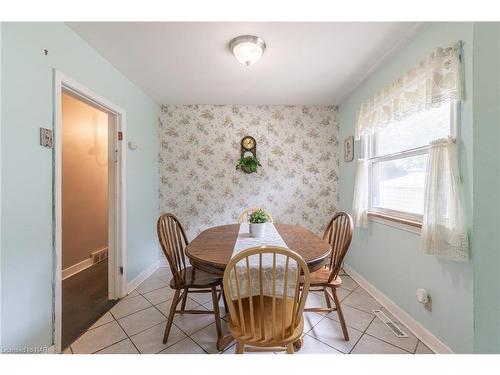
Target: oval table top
{"points": [[212, 249]]}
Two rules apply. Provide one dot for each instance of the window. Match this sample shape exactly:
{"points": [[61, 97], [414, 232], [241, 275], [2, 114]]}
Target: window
{"points": [[397, 155]]}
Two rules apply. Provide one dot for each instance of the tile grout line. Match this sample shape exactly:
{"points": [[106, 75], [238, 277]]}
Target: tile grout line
{"points": [[190, 336], [185, 333], [126, 316], [326, 316], [198, 305], [90, 329], [359, 309], [371, 322], [387, 342], [378, 338], [375, 317], [317, 338], [155, 306], [117, 321], [126, 334], [152, 290], [138, 333], [187, 336], [142, 309], [119, 325], [143, 329], [364, 333], [324, 343], [132, 341], [108, 346]]}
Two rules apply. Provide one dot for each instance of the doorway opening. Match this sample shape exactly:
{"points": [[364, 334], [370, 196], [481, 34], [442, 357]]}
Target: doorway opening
{"points": [[89, 238]]}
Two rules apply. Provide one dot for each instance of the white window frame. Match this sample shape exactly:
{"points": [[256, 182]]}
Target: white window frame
{"points": [[368, 149]]}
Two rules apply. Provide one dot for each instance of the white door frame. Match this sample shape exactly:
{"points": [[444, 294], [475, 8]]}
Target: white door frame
{"points": [[117, 269]]}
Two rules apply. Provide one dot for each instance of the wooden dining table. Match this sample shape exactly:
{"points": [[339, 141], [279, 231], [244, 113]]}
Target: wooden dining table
{"points": [[212, 249]]}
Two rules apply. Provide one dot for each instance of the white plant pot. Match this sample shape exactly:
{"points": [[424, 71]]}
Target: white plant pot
{"points": [[258, 230]]}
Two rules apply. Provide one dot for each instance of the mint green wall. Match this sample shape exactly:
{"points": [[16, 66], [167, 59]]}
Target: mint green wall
{"points": [[390, 258], [487, 187], [27, 169]]}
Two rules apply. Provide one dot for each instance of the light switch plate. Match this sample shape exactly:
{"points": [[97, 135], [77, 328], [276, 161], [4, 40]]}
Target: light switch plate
{"points": [[46, 139]]}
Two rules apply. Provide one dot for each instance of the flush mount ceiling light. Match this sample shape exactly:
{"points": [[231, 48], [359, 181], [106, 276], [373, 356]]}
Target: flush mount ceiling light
{"points": [[247, 48]]}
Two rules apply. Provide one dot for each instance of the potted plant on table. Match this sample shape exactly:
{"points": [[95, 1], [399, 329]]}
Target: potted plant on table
{"points": [[258, 220]]}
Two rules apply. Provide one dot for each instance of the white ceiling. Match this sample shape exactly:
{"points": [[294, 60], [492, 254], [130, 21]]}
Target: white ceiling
{"points": [[190, 62]]}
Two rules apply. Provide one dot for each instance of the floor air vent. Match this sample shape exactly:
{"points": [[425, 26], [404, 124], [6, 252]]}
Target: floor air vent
{"points": [[389, 323], [99, 255]]}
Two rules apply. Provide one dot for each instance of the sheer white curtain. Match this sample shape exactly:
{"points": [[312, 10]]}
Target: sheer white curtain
{"points": [[360, 199], [444, 229], [435, 80]]}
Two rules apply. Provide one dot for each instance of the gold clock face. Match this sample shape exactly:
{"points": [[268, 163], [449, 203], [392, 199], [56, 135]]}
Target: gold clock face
{"points": [[248, 143]]}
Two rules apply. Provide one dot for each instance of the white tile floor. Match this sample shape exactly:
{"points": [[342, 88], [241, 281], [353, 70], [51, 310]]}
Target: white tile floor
{"points": [[136, 325]]}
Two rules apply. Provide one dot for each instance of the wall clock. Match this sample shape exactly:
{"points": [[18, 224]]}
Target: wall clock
{"points": [[248, 162], [248, 146]]}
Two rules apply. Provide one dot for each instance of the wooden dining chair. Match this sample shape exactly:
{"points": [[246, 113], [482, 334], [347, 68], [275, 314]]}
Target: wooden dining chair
{"points": [[265, 298], [243, 218], [338, 233], [185, 278]]}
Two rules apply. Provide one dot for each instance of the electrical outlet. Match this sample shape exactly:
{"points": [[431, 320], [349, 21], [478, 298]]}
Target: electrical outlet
{"points": [[46, 138], [428, 304]]}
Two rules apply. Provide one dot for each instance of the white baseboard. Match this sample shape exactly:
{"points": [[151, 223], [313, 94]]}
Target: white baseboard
{"points": [[422, 333], [75, 268], [131, 285], [163, 262], [51, 349]]}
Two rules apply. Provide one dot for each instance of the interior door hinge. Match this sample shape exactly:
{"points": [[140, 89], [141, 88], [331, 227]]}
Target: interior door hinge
{"points": [[120, 136], [121, 270]]}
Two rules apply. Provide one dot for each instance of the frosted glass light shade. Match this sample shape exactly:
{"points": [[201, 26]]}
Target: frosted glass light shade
{"points": [[247, 48]]}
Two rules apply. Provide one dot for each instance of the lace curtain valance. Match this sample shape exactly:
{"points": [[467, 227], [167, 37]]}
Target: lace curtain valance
{"points": [[436, 79]]}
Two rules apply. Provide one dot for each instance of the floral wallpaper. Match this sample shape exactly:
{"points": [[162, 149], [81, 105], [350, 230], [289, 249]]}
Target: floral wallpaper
{"points": [[296, 145]]}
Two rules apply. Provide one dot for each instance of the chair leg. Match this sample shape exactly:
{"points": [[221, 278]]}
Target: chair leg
{"points": [[289, 349], [224, 300], [184, 299], [327, 298], [215, 301], [341, 314], [171, 314], [239, 348]]}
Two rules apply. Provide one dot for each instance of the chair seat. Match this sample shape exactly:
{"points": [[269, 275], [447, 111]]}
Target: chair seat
{"points": [[320, 277], [196, 278], [270, 338]]}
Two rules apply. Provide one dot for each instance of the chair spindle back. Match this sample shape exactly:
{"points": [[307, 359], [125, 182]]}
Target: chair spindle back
{"points": [[274, 301], [173, 242], [338, 233]]}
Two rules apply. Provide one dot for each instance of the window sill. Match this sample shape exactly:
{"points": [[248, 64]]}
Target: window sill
{"points": [[396, 222]]}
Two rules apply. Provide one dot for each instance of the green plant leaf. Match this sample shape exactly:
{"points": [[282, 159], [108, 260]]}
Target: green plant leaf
{"points": [[248, 164], [258, 217]]}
